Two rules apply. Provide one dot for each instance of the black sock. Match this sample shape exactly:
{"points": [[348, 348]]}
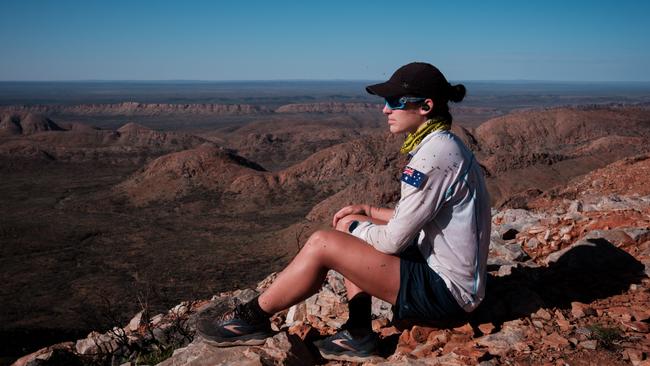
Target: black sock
{"points": [[360, 321], [252, 312]]}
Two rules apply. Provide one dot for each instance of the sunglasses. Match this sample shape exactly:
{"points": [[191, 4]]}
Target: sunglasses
{"points": [[400, 103]]}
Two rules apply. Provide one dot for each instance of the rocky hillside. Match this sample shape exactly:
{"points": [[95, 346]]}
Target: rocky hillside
{"points": [[568, 285], [530, 151], [26, 124], [29, 136], [540, 149], [172, 176]]}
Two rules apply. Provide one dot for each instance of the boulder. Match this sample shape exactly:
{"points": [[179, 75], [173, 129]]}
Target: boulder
{"points": [[511, 337], [134, 324], [280, 349], [517, 219], [614, 236], [57, 354]]}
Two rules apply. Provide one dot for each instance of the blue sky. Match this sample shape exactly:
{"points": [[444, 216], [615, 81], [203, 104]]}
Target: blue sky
{"points": [[269, 40]]}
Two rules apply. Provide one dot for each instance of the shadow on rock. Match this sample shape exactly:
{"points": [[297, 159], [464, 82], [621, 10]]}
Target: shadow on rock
{"points": [[586, 271]]}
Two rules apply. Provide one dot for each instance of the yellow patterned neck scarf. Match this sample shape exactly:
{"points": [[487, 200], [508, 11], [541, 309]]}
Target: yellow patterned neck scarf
{"points": [[413, 139]]}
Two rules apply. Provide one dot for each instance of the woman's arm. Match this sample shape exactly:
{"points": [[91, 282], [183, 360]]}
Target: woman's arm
{"points": [[427, 183], [381, 213]]}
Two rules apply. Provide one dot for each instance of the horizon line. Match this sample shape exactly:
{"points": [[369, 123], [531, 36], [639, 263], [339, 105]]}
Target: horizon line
{"points": [[308, 80]]}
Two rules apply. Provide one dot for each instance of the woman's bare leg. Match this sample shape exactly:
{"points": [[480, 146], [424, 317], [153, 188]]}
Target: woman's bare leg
{"points": [[374, 272], [343, 225]]}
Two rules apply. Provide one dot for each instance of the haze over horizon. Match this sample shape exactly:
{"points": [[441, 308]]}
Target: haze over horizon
{"points": [[73, 40]]}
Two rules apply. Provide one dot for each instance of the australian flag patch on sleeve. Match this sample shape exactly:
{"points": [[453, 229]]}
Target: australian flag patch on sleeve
{"points": [[413, 177]]}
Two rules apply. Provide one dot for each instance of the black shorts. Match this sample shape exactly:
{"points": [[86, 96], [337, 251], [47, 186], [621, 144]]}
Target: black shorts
{"points": [[423, 295]]}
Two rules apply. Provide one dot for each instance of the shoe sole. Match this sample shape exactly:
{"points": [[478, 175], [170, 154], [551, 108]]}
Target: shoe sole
{"points": [[257, 341], [350, 358]]}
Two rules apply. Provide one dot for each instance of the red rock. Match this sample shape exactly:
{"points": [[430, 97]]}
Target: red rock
{"points": [[43, 354], [634, 355], [472, 353], [590, 344], [561, 321], [301, 330], [465, 329], [282, 349], [621, 312], [420, 334], [542, 314], [640, 327], [388, 331], [640, 314], [440, 337], [405, 344], [377, 324], [423, 350], [486, 328], [457, 340], [560, 362], [555, 340], [579, 310]]}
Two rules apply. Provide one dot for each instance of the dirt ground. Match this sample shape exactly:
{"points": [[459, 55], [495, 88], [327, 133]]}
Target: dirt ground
{"points": [[76, 258]]}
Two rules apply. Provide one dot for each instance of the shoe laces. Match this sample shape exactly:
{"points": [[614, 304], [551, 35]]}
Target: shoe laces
{"points": [[233, 313], [244, 313]]}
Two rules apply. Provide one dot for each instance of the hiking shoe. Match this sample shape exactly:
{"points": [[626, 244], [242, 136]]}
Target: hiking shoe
{"points": [[233, 328], [343, 347]]}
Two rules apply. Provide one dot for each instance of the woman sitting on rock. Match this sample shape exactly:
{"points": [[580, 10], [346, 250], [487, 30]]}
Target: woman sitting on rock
{"points": [[427, 256]]}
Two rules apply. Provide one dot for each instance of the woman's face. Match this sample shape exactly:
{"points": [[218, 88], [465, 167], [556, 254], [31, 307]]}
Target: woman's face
{"points": [[406, 120]]}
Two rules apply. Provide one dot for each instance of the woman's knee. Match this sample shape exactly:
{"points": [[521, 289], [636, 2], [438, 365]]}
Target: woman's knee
{"points": [[321, 242]]}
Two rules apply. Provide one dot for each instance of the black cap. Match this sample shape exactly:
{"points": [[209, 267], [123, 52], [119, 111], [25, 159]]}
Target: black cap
{"points": [[415, 79]]}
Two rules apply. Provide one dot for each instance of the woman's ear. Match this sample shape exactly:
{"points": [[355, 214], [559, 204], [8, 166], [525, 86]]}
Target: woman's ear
{"points": [[426, 107]]}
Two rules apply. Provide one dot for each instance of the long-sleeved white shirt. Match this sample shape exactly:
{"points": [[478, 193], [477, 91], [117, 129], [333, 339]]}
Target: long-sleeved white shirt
{"points": [[444, 199]]}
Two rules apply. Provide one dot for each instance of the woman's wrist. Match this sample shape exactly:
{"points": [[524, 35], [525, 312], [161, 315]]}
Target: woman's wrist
{"points": [[368, 210]]}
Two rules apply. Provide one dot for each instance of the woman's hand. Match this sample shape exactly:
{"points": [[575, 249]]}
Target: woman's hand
{"points": [[350, 210]]}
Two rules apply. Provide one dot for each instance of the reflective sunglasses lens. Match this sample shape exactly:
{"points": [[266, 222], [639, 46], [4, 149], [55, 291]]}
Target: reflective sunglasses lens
{"points": [[394, 103]]}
